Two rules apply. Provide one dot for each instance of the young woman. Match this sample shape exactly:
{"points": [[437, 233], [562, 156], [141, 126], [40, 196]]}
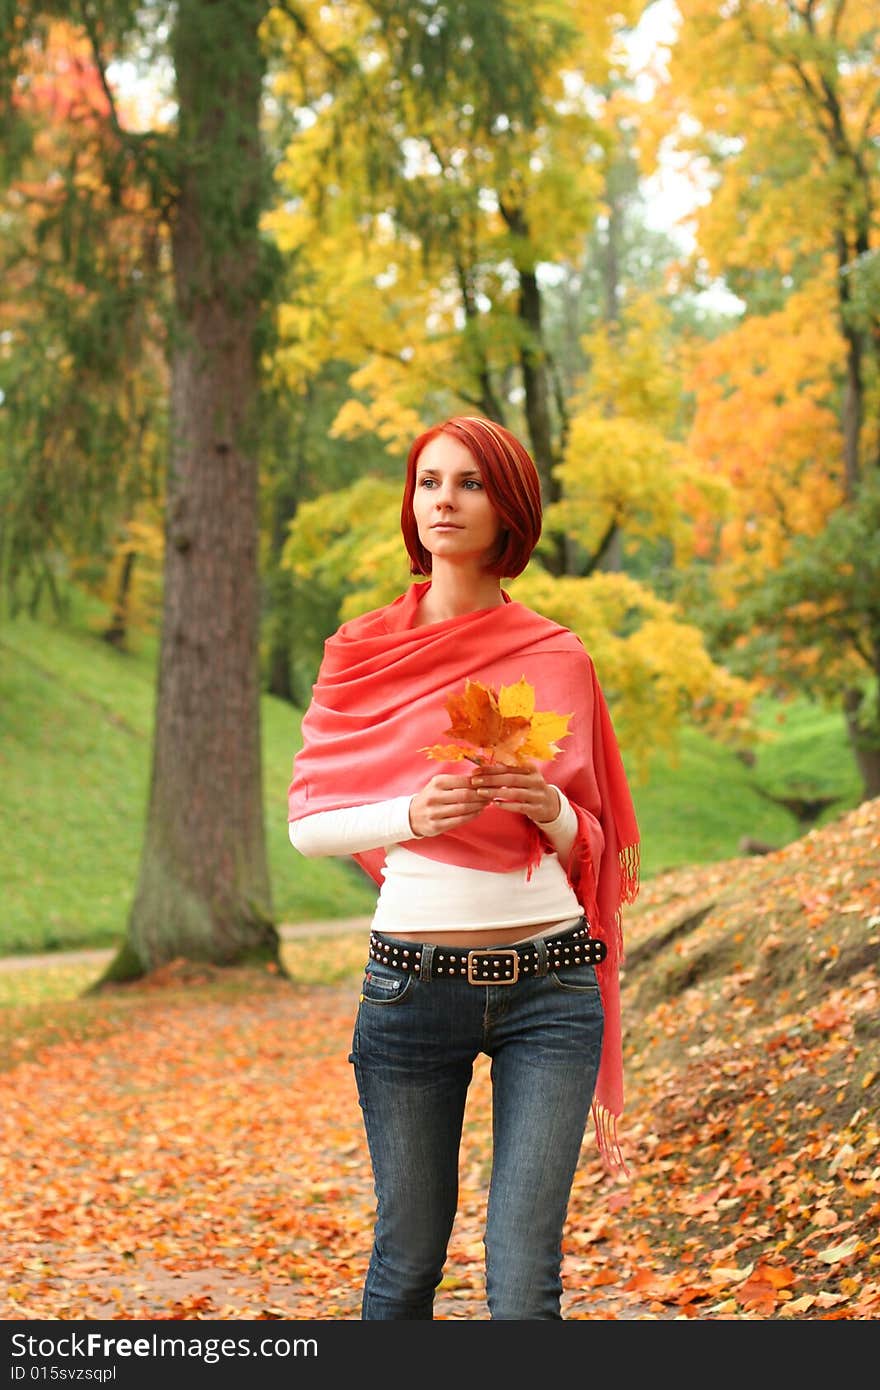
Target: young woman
{"points": [[497, 923]]}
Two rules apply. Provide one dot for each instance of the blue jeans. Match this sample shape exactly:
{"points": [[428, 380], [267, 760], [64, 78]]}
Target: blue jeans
{"points": [[413, 1052]]}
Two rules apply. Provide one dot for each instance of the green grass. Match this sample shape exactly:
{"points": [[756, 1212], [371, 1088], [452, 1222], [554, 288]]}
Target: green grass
{"points": [[698, 806], [75, 743]]}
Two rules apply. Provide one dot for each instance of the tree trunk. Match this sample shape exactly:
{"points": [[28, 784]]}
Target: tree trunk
{"points": [[489, 401], [609, 556], [865, 744], [536, 387], [852, 408], [612, 257], [533, 364], [279, 674], [203, 891], [117, 631]]}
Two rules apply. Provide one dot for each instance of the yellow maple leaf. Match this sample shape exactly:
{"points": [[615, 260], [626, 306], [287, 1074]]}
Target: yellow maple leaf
{"points": [[517, 700], [499, 726]]}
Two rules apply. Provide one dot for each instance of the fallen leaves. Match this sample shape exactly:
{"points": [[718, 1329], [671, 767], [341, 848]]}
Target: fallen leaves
{"points": [[762, 1290], [834, 1254], [747, 1117], [193, 1147], [500, 725], [195, 1151]]}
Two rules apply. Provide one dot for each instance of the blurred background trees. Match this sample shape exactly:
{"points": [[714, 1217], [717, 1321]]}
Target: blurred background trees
{"points": [[363, 217]]}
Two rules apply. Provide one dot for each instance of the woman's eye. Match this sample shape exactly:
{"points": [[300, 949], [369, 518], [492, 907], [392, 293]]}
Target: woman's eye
{"points": [[469, 483]]}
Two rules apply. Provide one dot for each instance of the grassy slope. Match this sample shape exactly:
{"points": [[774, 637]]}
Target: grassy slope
{"points": [[75, 728], [696, 808]]}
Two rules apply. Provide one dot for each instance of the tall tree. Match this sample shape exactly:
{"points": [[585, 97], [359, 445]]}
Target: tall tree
{"points": [[780, 101], [777, 103], [203, 890], [204, 887], [82, 369]]}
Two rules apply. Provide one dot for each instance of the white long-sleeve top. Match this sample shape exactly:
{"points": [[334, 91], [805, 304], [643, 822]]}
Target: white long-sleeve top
{"points": [[417, 893]]}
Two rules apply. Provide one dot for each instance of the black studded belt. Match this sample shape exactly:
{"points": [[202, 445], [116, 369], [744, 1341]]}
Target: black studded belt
{"points": [[499, 965]]}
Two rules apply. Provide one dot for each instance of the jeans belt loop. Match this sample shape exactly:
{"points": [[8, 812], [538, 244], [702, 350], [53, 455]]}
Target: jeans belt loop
{"points": [[542, 968], [425, 963]]}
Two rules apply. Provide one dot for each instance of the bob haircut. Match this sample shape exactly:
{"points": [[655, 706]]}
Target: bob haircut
{"points": [[512, 486]]}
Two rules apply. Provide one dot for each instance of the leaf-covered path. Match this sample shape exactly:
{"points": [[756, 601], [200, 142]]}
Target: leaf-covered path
{"points": [[206, 1160]]}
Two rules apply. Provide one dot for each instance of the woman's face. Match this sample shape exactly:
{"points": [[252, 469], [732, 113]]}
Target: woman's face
{"points": [[455, 519]]}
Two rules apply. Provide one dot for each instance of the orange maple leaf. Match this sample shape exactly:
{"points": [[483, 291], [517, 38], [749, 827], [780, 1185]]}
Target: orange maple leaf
{"points": [[499, 726]]}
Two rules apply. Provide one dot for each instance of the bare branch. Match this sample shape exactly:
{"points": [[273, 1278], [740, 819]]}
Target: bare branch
{"points": [[91, 27], [837, 16], [339, 59], [142, 146]]}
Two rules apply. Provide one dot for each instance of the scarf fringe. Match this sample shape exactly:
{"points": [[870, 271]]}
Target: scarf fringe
{"points": [[536, 849], [629, 859], [608, 1142], [582, 877]]}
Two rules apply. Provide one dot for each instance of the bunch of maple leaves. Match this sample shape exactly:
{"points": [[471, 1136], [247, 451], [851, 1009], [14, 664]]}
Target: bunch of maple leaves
{"points": [[500, 725]]}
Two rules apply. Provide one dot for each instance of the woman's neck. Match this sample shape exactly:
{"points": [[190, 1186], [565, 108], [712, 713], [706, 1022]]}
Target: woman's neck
{"points": [[455, 591]]}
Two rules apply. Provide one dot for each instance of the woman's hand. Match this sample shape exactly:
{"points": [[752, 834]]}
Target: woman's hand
{"points": [[445, 803], [520, 789]]}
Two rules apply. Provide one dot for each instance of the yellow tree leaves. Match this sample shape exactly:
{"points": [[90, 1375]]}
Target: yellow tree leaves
{"points": [[623, 464], [778, 109], [351, 538], [655, 668], [132, 584], [781, 101], [409, 207], [499, 726]]}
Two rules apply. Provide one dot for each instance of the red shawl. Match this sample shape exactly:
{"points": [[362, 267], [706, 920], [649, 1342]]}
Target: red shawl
{"points": [[380, 698]]}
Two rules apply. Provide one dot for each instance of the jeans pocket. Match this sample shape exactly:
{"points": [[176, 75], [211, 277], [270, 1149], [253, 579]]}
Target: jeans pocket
{"points": [[576, 979], [382, 985]]}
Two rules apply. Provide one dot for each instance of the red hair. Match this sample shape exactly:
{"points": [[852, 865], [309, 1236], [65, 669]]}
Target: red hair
{"points": [[512, 486]]}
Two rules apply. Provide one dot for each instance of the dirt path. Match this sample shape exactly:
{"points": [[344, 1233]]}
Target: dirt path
{"points": [[207, 1161], [289, 931]]}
